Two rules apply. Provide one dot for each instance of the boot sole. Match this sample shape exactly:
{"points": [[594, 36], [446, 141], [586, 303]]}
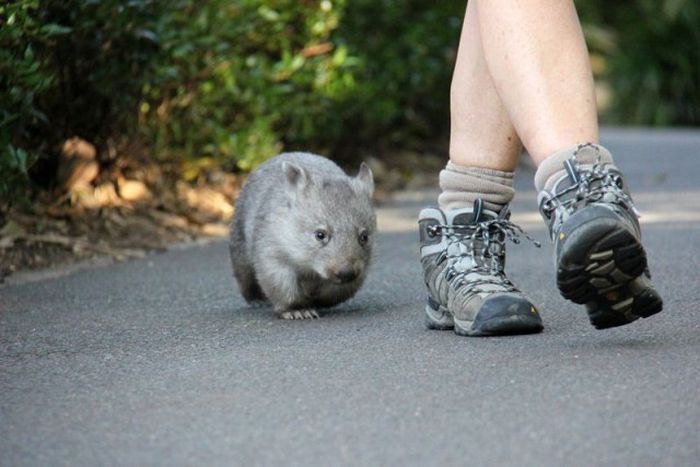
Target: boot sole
{"points": [[441, 319], [596, 266], [623, 306]]}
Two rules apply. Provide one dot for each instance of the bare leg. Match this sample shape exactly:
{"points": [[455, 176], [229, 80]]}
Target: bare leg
{"points": [[484, 150], [537, 58], [481, 133]]}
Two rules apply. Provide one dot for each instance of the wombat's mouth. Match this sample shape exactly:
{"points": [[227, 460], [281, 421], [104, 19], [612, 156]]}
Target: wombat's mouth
{"points": [[341, 282], [341, 276], [344, 275]]}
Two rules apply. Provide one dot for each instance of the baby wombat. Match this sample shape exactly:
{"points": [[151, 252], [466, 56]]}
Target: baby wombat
{"points": [[302, 234]]}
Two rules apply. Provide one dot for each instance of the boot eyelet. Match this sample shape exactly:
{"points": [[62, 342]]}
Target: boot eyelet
{"points": [[432, 231]]}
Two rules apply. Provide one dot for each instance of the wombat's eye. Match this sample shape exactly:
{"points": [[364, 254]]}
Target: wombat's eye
{"points": [[364, 237], [321, 235]]}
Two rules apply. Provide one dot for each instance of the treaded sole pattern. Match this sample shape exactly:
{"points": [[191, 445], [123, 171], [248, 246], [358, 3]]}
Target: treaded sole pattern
{"points": [[601, 278], [623, 306]]}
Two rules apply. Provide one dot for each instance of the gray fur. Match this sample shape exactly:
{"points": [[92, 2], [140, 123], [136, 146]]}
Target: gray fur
{"points": [[275, 254]]}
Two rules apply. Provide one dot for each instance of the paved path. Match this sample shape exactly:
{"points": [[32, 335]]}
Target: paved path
{"points": [[159, 362]]}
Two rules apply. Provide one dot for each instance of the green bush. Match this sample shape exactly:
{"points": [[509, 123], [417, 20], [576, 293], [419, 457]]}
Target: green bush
{"points": [[69, 68], [101, 60], [238, 81], [655, 69], [21, 81], [649, 59], [407, 50]]}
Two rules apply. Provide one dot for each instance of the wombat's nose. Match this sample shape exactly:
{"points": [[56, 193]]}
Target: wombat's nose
{"points": [[345, 274]]}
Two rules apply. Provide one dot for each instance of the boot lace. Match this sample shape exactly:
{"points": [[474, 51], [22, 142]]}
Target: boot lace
{"points": [[593, 184], [487, 259]]}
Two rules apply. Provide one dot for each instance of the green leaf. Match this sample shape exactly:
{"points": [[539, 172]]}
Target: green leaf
{"points": [[21, 160], [53, 29], [146, 34], [672, 8]]}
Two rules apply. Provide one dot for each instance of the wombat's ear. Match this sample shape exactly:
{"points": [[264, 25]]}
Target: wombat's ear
{"points": [[297, 178], [365, 179]]}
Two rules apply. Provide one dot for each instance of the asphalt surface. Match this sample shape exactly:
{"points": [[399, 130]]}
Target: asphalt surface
{"points": [[159, 361]]}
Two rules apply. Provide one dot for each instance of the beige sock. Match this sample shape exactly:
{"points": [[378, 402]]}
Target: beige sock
{"points": [[461, 186], [552, 168]]}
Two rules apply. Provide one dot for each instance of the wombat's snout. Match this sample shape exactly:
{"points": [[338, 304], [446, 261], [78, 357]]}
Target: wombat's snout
{"points": [[344, 274]]}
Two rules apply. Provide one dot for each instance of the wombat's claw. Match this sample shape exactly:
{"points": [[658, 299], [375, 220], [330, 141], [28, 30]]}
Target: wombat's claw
{"points": [[299, 314]]}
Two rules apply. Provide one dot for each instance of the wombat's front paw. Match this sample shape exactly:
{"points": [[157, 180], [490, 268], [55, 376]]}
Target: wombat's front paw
{"points": [[299, 314]]}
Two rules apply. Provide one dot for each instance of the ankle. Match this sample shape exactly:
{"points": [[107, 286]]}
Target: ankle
{"points": [[461, 186], [552, 168]]}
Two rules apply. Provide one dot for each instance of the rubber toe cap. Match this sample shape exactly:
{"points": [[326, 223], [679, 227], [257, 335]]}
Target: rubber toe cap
{"points": [[504, 314]]}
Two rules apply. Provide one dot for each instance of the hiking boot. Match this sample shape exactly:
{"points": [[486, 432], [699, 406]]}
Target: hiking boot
{"points": [[600, 260], [463, 257]]}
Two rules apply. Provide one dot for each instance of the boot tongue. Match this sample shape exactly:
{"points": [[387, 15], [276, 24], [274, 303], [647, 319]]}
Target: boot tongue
{"points": [[470, 216], [566, 178], [584, 157]]}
